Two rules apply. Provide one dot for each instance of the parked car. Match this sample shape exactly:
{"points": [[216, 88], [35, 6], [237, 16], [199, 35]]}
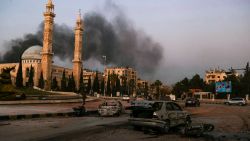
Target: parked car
{"points": [[125, 98], [192, 102], [236, 101], [159, 116], [110, 108]]}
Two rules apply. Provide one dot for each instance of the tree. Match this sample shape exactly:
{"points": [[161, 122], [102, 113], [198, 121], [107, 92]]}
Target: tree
{"points": [[209, 87], [5, 77], [96, 83], [102, 86], [41, 81], [89, 85], [81, 88], [19, 77], [196, 82], [54, 84], [118, 84], [181, 87], [108, 86], [113, 77], [81, 84], [235, 82], [157, 83], [124, 85], [245, 81], [71, 83], [131, 86], [146, 89], [31, 75], [63, 82], [185, 84]]}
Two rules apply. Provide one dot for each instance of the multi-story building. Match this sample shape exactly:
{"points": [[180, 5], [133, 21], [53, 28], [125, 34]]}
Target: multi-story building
{"points": [[217, 75], [142, 86], [129, 74], [91, 74]]}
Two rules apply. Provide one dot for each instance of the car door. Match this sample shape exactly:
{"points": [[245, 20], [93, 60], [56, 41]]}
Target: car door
{"points": [[171, 115], [181, 116]]}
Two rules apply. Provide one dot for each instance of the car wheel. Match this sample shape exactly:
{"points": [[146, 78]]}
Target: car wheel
{"points": [[241, 104], [166, 127]]}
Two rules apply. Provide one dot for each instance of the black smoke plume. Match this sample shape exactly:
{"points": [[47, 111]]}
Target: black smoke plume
{"points": [[116, 39]]}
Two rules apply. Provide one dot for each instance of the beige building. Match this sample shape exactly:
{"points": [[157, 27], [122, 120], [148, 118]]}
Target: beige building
{"points": [[217, 75], [129, 74], [142, 84], [91, 74], [41, 58]]}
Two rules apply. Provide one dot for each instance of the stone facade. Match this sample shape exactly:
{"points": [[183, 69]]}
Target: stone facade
{"points": [[129, 74]]}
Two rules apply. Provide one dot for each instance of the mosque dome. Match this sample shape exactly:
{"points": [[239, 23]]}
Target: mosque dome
{"points": [[33, 52]]}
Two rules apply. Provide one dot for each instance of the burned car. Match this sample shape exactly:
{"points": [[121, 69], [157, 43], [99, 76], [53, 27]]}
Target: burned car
{"points": [[110, 108], [158, 115]]}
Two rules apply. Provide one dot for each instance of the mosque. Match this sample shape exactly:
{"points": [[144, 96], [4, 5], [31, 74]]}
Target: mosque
{"points": [[41, 57]]}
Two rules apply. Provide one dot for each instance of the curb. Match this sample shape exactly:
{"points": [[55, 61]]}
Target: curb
{"points": [[46, 115], [23, 102], [19, 117]]}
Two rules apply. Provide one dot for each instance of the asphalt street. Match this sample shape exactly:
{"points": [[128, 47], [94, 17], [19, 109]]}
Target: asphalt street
{"points": [[231, 123]]}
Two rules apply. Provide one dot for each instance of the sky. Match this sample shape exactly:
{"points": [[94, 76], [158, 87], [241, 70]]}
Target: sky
{"points": [[196, 35]]}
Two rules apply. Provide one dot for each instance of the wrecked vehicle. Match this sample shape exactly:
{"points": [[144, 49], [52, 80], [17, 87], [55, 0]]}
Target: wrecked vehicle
{"points": [[158, 115], [110, 108], [197, 129]]}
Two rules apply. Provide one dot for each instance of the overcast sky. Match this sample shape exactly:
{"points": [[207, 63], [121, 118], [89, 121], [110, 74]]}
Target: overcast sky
{"points": [[196, 34]]}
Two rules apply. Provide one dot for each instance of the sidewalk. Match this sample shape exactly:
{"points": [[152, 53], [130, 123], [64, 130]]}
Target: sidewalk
{"points": [[32, 109]]}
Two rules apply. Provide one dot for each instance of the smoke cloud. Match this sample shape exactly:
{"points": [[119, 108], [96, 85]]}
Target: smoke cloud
{"points": [[116, 39]]}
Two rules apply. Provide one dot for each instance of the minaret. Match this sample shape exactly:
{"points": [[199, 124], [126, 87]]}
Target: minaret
{"points": [[77, 61], [47, 53]]}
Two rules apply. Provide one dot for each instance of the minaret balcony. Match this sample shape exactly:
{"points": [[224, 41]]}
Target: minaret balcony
{"points": [[47, 53]]}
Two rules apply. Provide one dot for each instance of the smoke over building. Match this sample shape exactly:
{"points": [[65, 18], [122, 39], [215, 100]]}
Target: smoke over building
{"points": [[117, 39]]}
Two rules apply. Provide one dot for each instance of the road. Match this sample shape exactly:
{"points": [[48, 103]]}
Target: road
{"points": [[231, 123]]}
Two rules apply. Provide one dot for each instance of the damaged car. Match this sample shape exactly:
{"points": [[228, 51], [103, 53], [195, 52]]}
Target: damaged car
{"points": [[110, 108], [158, 115]]}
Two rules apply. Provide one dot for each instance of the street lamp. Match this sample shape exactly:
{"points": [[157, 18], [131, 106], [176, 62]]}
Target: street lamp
{"points": [[105, 58]]}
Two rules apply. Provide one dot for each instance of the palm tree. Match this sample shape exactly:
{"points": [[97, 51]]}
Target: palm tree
{"points": [[131, 86], [124, 84], [157, 84], [113, 78]]}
